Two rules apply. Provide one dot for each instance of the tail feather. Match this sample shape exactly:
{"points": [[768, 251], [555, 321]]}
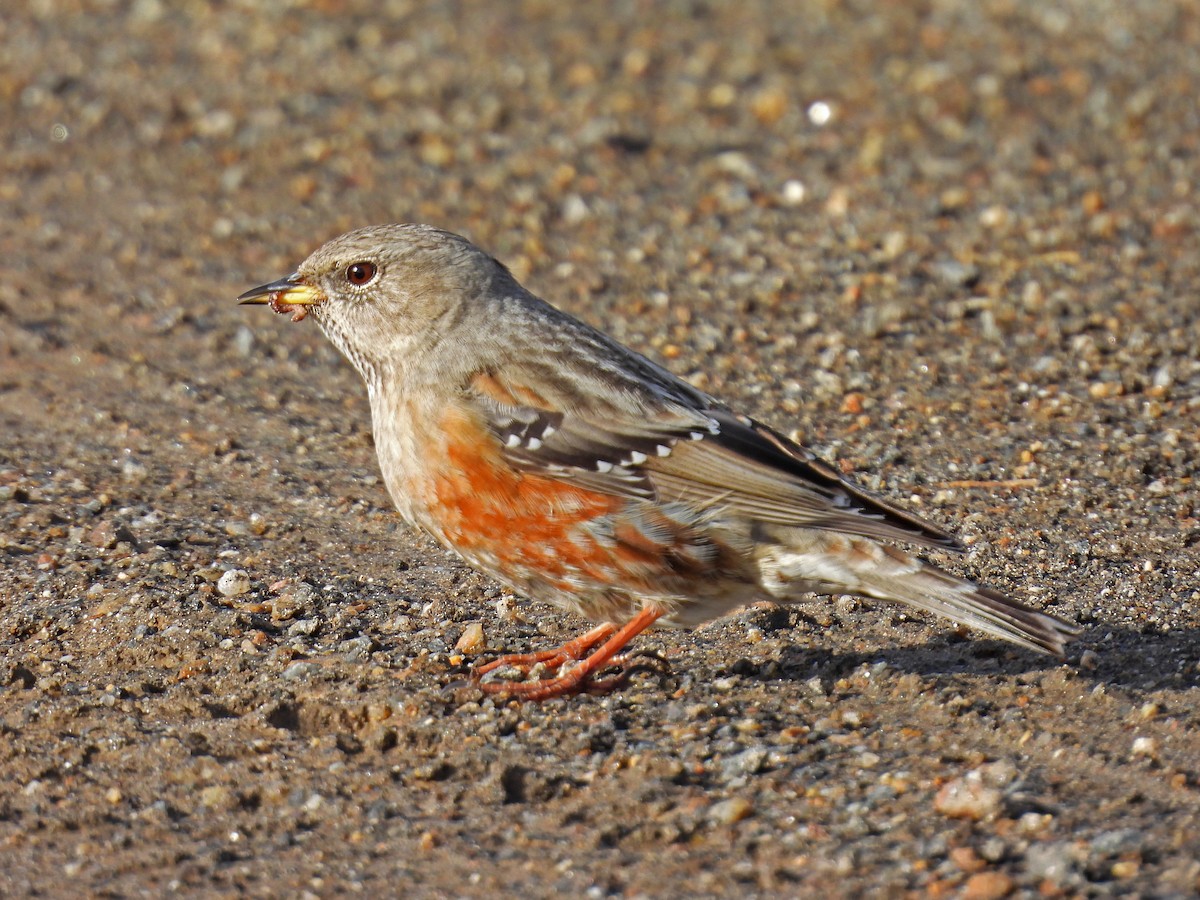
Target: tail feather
{"points": [[868, 569], [977, 607]]}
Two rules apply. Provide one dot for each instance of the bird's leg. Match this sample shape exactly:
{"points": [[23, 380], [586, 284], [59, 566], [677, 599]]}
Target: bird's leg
{"points": [[579, 677], [571, 650]]}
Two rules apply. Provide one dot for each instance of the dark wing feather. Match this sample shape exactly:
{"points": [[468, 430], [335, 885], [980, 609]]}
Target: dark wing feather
{"points": [[701, 455], [772, 479], [606, 453]]}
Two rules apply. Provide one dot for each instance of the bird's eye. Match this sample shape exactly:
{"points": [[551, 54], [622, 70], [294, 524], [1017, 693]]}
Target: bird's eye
{"points": [[360, 273]]}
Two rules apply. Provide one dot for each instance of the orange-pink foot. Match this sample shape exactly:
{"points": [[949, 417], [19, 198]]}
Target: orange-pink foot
{"points": [[580, 677]]}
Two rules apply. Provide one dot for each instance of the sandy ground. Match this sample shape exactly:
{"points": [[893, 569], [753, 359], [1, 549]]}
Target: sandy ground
{"points": [[951, 244]]}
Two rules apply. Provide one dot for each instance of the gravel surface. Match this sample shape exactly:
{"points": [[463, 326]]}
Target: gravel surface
{"points": [[952, 245]]}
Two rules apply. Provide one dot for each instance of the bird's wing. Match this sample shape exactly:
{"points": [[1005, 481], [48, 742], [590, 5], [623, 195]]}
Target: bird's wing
{"points": [[544, 432], [663, 446], [769, 478]]}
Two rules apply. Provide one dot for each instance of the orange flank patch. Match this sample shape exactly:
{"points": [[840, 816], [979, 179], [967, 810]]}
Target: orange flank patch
{"points": [[529, 524]]}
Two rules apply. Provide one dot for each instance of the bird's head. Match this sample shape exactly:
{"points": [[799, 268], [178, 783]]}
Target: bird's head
{"points": [[381, 292]]}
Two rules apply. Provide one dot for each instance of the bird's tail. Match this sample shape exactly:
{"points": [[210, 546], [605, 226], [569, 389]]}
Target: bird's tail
{"points": [[838, 564]]}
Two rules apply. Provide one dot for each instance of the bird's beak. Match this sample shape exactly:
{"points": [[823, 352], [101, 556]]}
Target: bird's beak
{"points": [[288, 295]]}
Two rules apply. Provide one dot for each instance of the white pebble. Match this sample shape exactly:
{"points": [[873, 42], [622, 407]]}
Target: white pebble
{"points": [[728, 812], [968, 798], [1145, 746], [820, 113], [574, 209], [233, 582], [794, 192]]}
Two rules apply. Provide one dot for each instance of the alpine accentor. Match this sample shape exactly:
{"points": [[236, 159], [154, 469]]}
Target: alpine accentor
{"points": [[581, 474]]}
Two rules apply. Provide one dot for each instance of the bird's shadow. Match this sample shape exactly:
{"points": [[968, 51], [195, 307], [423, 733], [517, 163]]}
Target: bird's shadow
{"points": [[1113, 656], [1120, 657]]}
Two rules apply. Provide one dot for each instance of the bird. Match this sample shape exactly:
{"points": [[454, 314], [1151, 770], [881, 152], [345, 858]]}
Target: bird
{"points": [[580, 474]]}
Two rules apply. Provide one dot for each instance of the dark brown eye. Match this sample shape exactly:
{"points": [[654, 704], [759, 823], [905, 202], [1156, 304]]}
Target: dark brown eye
{"points": [[360, 273]]}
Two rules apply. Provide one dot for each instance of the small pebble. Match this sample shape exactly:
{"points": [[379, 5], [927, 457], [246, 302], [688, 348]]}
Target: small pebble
{"points": [[1049, 862], [987, 886], [233, 583], [793, 192], [300, 669], [1126, 868], [967, 798], [243, 341], [1145, 746], [214, 796], [472, 639], [727, 812], [967, 859], [820, 113]]}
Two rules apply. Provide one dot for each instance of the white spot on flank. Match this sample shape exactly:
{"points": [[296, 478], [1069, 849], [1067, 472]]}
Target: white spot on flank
{"points": [[662, 450], [513, 440], [603, 466], [697, 435], [547, 431], [637, 457], [533, 444]]}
